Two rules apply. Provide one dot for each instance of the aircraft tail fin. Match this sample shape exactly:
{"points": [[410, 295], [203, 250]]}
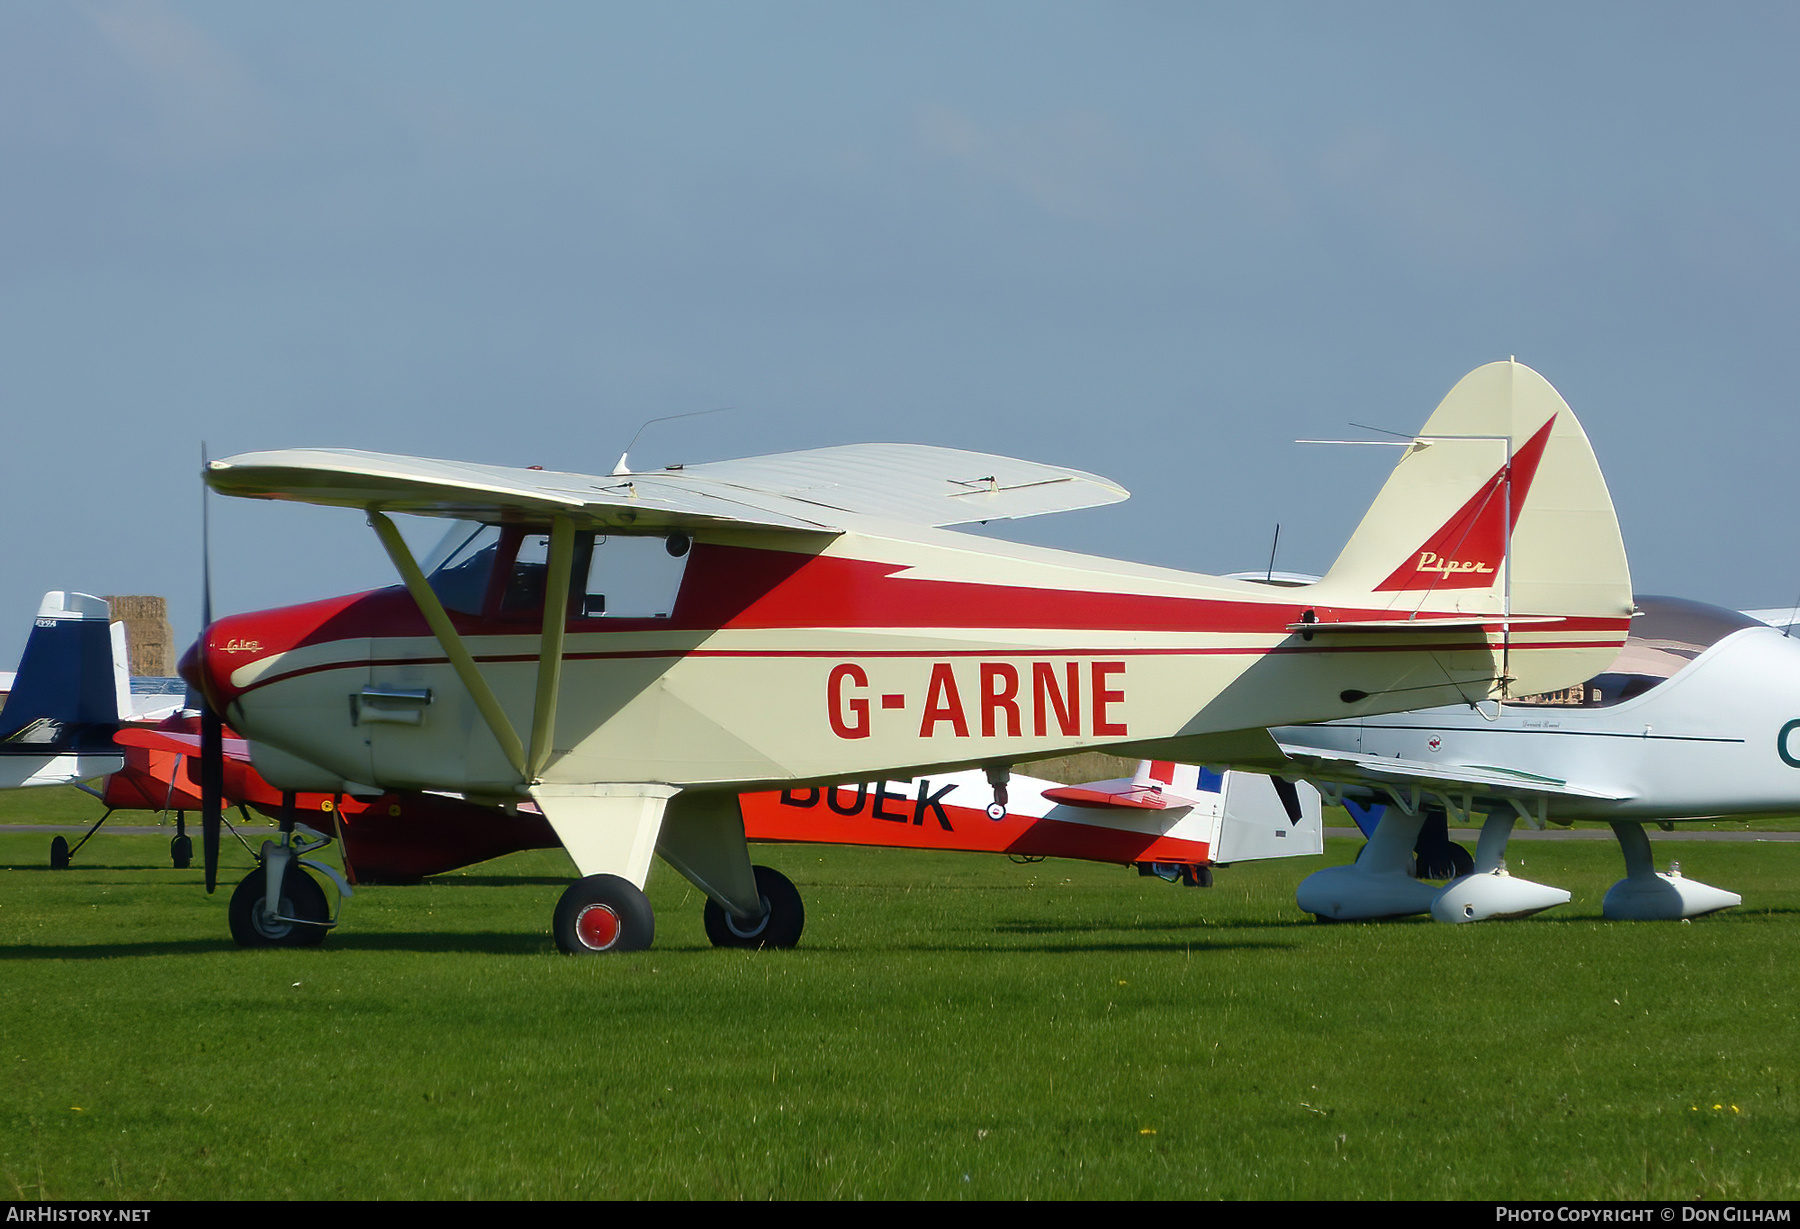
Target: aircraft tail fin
{"points": [[72, 685], [1496, 517], [1498, 500]]}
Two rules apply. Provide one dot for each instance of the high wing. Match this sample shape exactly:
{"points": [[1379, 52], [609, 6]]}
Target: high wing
{"points": [[817, 489], [1468, 783]]}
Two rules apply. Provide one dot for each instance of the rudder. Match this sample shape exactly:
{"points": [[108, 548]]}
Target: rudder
{"points": [[67, 695], [1436, 536]]}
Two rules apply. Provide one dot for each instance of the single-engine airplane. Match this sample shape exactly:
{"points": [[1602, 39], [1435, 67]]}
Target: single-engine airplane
{"points": [[806, 618], [1696, 719]]}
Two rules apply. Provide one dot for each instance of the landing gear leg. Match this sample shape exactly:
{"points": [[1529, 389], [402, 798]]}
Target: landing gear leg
{"points": [[610, 831], [60, 851], [1490, 893], [1646, 895], [998, 775], [278, 904]]}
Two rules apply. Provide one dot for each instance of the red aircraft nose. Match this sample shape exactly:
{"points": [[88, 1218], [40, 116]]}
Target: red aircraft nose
{"points": [[194, 676], [236, 641]]}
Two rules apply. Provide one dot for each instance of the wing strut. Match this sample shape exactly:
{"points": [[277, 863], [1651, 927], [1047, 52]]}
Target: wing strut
{"points": [[550, 651], [451, 643]]}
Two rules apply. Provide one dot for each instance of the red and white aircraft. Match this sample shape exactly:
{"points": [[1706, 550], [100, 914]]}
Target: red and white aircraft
{"points": [[813, 621]]}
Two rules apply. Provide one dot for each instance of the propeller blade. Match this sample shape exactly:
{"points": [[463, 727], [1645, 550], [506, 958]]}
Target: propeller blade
{"points": [[212, 725], [212, 791]]}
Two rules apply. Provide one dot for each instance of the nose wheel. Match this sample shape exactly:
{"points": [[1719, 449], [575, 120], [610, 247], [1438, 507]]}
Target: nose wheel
{"points": [[301, 920], [301, 915], [784, 916]]}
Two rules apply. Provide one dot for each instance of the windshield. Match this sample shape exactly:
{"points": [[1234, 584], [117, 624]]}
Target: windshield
{"points": [[1667, 634], [459, 567]]}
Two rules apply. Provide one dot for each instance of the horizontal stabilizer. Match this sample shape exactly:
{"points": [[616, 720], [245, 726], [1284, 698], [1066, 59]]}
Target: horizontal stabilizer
{"points": [[819, 489], [1097, 795], [1157, 785]]}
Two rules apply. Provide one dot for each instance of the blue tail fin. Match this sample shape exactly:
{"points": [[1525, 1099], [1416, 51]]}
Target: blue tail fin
{"points": [[1366, 815], [72, 686]]}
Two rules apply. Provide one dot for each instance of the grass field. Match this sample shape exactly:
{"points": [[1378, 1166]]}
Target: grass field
{"points": [[952, 1026]]}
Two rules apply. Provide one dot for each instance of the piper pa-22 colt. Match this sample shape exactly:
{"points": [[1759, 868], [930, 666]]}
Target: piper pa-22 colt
{"points": [[819, 624], [1697, 718]]}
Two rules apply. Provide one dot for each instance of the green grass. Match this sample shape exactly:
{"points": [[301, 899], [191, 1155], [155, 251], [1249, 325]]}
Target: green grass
{"points": [[952, 1026], [61, 804]]}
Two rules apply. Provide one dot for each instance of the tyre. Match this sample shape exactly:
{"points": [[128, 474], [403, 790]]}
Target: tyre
{"points": [[784, 916], [181, 851], [1195, 875], [301, 898], [603, 914], [59, 854], [1462, 861], [1451, 862]]}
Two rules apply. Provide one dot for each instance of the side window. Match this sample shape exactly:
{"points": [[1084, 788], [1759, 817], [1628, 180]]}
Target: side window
{"points": [[524, 592], [631, 577]]}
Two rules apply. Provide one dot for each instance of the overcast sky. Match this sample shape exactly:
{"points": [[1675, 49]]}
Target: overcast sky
{"points": [[1157, 241]]}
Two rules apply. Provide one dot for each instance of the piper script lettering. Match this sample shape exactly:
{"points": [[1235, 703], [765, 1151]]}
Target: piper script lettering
{"points": [[1431, 561]]}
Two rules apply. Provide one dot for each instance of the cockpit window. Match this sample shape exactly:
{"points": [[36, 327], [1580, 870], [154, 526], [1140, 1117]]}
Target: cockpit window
{"points": [[1667, 634], [524, 592], [616, 577], [459, 567]]}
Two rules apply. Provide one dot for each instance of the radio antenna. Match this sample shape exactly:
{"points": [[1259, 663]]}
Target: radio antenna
{"points": [[623, 467]]}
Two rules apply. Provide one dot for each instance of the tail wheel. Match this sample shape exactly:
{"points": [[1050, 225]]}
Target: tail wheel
{"points": [[784, 916], [603, 914], [302, 899]]}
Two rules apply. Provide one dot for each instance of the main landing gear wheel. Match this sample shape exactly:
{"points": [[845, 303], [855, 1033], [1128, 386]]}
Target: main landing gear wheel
{"points": [[181, 852], [301, 898], [784, 917], [603, 913], [1460, 862], [59, 854]]}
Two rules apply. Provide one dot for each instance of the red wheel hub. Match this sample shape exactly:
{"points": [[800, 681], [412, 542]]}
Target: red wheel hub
{"points": [[598, 926]]}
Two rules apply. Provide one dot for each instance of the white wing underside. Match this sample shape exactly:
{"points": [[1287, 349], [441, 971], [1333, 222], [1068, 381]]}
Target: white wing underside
{"points": [[819, 489], [1381, 770]]}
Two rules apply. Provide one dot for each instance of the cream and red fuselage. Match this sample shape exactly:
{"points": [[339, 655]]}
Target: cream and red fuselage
{"points": [[797, 657]]}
